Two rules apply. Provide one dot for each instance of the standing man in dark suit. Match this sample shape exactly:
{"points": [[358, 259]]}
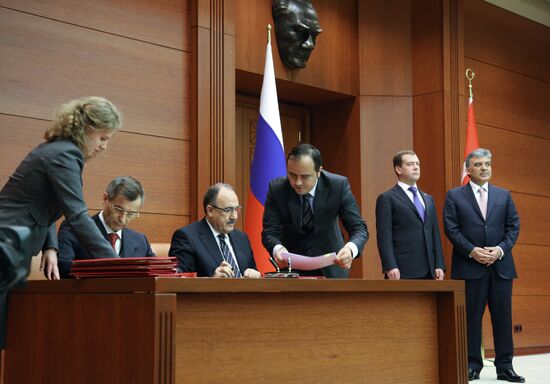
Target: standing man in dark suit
{"points": [[482, 223], [406, 226], [212, 247], [302, 213], [122, 202]]}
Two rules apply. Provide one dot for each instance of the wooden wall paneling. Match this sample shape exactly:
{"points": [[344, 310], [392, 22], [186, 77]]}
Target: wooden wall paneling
{"points": [[213, 90], [386, 127], [46, 63], [384, 47], [506, 40], [531, 312], [534, 212], [335, 131], [163, 22], [156, 162], [516, 160], [428, 53], [510, 100], [332, 64], [533, 269]]}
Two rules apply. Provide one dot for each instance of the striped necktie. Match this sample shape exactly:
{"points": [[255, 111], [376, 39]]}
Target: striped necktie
{"points": [[228, 256], [307, 213]]}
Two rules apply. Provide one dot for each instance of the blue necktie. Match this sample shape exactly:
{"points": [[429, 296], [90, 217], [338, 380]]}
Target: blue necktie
{"points": [[228, 256], [417, 202]]}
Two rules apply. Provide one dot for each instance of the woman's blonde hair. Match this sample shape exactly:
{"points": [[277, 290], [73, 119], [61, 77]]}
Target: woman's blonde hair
{"points": [[73, 118]]}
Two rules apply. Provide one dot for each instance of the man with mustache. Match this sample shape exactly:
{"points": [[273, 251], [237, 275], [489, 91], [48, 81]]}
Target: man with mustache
{"points": [[212, 247], [303, 212], [122, 202], [482, 223], [407, 231]]}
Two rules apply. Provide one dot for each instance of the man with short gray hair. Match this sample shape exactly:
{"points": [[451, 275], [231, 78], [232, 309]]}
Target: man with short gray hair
{"points": [[482, 223]]}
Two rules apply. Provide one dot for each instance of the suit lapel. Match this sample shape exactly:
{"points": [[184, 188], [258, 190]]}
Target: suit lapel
{"points": [[468, 193], [295, 207], [492, 199], [402, 195], [320, 201], [235, 243], [209, 242]]}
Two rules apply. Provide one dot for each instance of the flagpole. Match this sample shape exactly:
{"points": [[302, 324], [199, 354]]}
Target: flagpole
{"points": [[470, 76], [268, 33]]}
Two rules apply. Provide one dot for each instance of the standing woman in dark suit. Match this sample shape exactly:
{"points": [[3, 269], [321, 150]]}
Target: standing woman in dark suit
{"points": [[48, 184]]}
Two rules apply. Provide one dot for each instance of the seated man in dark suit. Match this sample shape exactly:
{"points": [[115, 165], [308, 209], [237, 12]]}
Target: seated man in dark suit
{"points": [[212, 247], [121, 204]]}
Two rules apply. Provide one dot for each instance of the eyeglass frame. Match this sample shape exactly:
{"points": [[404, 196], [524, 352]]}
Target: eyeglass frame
{"points": [[122, 211], [228, 210]]}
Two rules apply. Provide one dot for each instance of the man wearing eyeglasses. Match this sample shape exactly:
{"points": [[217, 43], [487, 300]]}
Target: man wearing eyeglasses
{"points": [[212, 247], [122, 202]]}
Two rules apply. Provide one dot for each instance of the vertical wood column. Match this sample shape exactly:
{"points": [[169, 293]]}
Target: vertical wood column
{"points": [[438, 81], [212, 97]]}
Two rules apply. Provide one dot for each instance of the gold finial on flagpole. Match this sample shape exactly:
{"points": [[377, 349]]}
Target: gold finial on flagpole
{"points": [[470, 76], [269, 33]]}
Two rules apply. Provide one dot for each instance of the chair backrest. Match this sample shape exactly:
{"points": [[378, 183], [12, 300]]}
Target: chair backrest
{"points": [[161, 249], [36, 273]]}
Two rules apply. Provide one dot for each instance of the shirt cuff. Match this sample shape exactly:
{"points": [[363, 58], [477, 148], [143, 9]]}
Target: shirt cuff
{"points": [[276, 248], [354, 250], [501, 253]]}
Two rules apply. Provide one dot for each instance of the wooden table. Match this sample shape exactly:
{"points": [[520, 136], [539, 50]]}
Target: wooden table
{"points": [[171, 330]]}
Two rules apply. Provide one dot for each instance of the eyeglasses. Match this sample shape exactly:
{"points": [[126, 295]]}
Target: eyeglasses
{"points": [[228, 210], [122, 211]]}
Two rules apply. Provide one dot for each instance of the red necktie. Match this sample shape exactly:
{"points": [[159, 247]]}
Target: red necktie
{"points": [[113, 237]]}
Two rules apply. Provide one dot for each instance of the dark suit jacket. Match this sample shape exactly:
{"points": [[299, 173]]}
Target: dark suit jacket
{"points": [[198, 251], [466, 228], [134, 244], [333, 200], [47, 184], [404, 240]]}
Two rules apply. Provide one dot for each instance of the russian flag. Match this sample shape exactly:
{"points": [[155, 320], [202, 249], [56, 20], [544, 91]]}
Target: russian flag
{"points": [[268, 162]]}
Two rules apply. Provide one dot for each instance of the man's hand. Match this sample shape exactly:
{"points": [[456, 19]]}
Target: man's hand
{"points": [[279, 259], [49, 263], [483, 256], [439, 274], [252, 273], [393, 274], [496, 252], [224, 270], [344, 258]]}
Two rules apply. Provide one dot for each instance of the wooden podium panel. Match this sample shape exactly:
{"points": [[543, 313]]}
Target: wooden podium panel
{"points": [[166, 330]]}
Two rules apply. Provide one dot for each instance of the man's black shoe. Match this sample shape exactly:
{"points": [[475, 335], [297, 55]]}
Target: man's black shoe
{"points": [[472, 375], [511, 376]]}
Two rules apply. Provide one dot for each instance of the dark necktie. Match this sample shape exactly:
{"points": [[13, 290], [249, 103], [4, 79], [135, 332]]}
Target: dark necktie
{"points": [[228, 256], [307, 213], [417, 202], [113, 237]]}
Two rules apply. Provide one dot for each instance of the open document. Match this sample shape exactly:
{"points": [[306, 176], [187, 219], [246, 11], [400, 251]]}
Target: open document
{"points": [[308, 263]]}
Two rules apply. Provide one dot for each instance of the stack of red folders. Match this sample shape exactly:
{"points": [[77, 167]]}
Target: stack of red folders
{"points": [[127, 267]]}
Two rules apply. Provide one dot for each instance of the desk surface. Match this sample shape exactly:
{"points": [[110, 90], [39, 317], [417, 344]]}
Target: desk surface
{"points": [[174, 285]]}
